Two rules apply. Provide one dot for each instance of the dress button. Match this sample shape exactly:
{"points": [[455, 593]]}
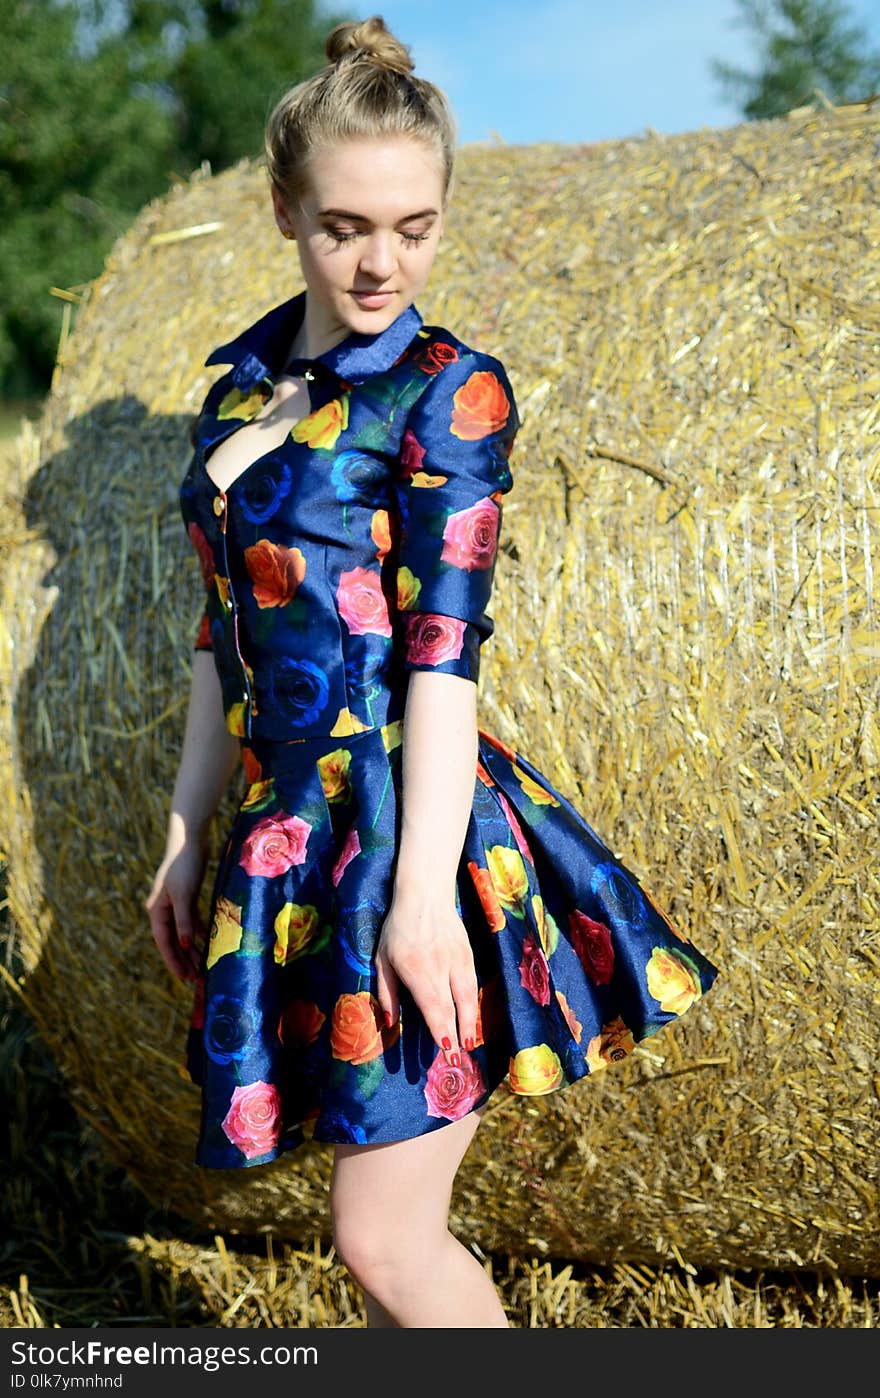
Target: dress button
{"points": [[218, 505]]}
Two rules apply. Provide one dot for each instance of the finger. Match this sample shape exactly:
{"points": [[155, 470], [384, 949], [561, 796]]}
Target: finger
{"points": [[190, 935], [438, 1011], [165, 937], [387, 990], [464, 988]]}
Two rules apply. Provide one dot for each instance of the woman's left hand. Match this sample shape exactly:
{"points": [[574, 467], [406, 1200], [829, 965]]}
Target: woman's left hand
{"points": [[425, 944]]}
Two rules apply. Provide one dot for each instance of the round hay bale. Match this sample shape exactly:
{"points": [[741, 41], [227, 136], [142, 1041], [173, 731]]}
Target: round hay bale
{"points": [[686, 642]]}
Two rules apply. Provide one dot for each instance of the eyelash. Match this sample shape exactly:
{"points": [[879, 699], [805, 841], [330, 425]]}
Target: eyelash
{"points": [[347, 237]]}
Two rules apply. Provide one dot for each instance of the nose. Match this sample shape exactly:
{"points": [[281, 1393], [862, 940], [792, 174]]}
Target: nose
{"points": [[378, 258]]}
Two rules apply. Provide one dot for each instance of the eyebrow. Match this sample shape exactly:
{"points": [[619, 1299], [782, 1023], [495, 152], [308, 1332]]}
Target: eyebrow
{"points": [[359, 218]]}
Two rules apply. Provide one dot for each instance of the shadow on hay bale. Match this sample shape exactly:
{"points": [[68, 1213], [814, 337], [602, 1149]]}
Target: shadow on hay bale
{"points": [[685, 641]]}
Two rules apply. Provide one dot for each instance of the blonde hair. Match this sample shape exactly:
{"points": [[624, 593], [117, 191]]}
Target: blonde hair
{"points": [[366, 90]]}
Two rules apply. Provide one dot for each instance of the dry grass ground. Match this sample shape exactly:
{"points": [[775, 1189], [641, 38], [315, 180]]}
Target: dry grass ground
{"points": [[82, 1247]]}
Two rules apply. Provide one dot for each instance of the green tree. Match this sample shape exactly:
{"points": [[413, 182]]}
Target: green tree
{"points": [[804, 45], [102, 104]]}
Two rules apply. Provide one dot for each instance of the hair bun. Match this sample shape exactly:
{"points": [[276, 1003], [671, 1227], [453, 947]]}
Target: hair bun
{"points": [[370, 39]]}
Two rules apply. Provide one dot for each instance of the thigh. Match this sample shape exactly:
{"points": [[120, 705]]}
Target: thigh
{"points": [[402, 1180]]}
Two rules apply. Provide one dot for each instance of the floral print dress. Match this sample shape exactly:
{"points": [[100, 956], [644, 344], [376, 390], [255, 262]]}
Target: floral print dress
{"points": [[360, 549]]}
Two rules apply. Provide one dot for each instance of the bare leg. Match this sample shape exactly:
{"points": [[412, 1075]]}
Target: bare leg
{"points": [[390, 1210]]}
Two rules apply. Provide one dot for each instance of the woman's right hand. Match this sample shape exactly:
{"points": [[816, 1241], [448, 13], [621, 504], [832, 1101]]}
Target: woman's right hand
{"points": [[176, 924]]}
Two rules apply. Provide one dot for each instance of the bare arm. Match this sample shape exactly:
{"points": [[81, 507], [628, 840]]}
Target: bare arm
{"points": [[208, 759], [423, 939], [209, 756]]}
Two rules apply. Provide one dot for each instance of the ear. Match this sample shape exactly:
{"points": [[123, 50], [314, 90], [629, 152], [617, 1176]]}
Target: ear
{"points": [[282, 217]]}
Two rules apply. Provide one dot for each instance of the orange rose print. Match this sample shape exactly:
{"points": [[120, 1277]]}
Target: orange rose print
{"points": [[356, 1034], [488, 897], [480, 406], [571, 1018], [275, 571], [614, 1042]]}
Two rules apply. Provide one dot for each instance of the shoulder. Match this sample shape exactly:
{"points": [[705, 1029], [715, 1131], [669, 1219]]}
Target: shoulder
{"points": [[457, 378], [437, 348]]}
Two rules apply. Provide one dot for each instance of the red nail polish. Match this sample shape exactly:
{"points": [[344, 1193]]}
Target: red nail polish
{"points": [[455, 1060], [389, 1019], [446, 1042], [469, 1044]]}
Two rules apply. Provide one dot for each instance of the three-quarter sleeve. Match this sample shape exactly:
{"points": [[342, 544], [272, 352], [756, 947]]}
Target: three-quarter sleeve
{"points": [[453, 472]]}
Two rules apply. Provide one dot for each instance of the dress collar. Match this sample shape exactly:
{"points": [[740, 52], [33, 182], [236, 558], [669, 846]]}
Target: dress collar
{"points": [[259, 351]]}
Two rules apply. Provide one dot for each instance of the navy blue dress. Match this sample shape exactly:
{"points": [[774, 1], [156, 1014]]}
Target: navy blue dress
{"points": [[360, 549]]}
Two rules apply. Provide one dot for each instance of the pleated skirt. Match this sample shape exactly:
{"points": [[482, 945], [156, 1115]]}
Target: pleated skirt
{"points": [[575, 961]]}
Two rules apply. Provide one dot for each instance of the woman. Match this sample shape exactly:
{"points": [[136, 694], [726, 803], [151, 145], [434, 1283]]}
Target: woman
{"points": [[405, 912]]}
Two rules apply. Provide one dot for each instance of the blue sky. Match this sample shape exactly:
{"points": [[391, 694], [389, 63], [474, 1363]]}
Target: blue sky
{"points": [[580, 70]]}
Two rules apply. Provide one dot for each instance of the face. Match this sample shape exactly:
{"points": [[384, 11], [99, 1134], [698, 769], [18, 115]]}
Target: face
{"points": [[367, 231]]}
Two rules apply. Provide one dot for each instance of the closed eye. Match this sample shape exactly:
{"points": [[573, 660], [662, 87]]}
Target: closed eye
{"points": [[341, 237]]}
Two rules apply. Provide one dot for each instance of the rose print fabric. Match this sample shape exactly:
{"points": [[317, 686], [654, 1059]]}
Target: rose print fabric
{"points": [[361, 549]]}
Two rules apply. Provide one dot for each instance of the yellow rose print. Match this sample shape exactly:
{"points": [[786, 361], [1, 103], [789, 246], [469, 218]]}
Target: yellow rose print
{"points": [[257, 793], [334, 768], [673, 980], [235, 719], [225, 935], [535, 1071], [538, 795], [346, 724], [241, 405], [508, 874], [322, 427], [547, 928], [296, 926], [408, 589]]}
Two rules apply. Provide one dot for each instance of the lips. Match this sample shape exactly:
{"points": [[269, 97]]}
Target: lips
{"points": [[372, 298]]}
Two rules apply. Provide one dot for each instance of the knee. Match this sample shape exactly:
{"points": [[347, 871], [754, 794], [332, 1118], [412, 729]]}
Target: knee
{"points": [[366, 1250]]}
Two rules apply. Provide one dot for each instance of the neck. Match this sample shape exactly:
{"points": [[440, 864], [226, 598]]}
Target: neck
{"points": [[316, 334]]}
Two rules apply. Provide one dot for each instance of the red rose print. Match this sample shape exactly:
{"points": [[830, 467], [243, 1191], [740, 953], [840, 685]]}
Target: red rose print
{"points": [[431, 639], [534, 973], [412, 454], [592, 942], [436, 356], [203, 549]]}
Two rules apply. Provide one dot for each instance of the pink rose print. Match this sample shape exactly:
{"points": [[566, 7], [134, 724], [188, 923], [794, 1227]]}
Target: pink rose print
{"points": [[275, 844], [470, 539], [592, 943], [534, 973], [253, 1122], [431, 639], [362, 604], [350, 849], [412, 454], [515, 826], [451, 1092]]}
